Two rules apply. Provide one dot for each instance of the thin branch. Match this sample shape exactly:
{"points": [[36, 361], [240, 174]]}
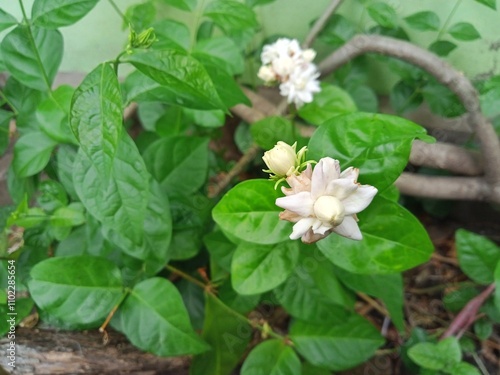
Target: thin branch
{"points": [[444, 73], [467, 315], [320, 23], [457, 188], [446, 156]]}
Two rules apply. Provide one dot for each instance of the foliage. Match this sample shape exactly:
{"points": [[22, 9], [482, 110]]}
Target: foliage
{"points": [[104, 223]]}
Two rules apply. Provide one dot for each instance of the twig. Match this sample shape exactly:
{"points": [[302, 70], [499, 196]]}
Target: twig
{"points": [[320, 23], [457, 188], [444, 73], [468, 314]]}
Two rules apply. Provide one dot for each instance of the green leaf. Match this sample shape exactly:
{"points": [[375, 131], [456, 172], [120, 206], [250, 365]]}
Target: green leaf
{"points": [[313, 292], [220, 248], [463, 368], [154, 319], [51, 195], [179, 164], [483, 328], [229, 91], [441, 100], [490, 96], [393, 241], [65, 158], [52, 14], [69, 216], [79, 290], [255, 3], [32, 153], [337, 31], [140, 88], [330, 102], [336, 347], [259, 268], [32, 55], [194, 300], [272, 357], [389, 288], [379, 145], [231, 15], [23, 308], [139, 17], [270, 130], [489, 3], [308, 369], [478, 256], [496, 297], [255, 218], [207, 119], [383, 14], [5, 118], [118, 200], [182, 74], [424, 21], [227, 335], [182, 4], [405, 97], [436, 356], [221, 52], [171, 34], [6, 20], [464, 31], [97, 115], [442, 47], [53, 115]]}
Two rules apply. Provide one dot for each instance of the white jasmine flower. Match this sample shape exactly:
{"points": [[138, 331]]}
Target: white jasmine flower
{"points": [[283, 47], [301, 85], [309, 54], [267, 74], [281, 158], [323, 200]]}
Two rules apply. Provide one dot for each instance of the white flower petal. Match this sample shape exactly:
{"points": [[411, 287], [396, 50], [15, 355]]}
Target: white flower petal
{"points": [[359, 200], [321, 229], [300, 203], [350, 173], [301, 227], [324, 172], [349, 228], [341, 188]]}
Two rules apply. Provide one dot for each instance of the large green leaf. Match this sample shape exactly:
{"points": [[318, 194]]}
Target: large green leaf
{"points": [[154, 319], [229, 91], [313, 292], [439, 356], [139, 87], [489, 3], [231, 15], [179, 164], [119, 200], [32, 55], [53, 115], [6, 20], [97, 115], [478, 256], [259, 268], [248, 212], [393, 241], [389, 288], [424, 21], [379, 145], [221, 52], [227, 335], [270, 130], [171, 34], [336, 347], [52, 14], [181, 73], [464, 31], [383, 14], [272, 357], [442, 47], [79, 290], [5, 118], [331, 101], [32, 153]]}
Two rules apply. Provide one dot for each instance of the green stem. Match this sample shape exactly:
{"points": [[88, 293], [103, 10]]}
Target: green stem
{"points": [[102, 328], [223, 305], [6, 100], [35, 49], [117, 61], [120, 13], [446, 23], [196, 22]]}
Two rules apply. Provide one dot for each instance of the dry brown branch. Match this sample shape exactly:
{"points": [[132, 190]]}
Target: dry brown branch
{"points": [[444, 73]]}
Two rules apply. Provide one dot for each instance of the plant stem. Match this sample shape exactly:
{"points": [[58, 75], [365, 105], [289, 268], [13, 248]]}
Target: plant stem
{"points": [[116, 63], [6, 100], [102, 328], [448, 19], [35, 49], [320, 23], [212, 295], [120, 13]]}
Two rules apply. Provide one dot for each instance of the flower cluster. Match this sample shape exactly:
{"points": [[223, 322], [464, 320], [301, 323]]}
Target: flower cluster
{"points": [[285, 62], [322, 201]]}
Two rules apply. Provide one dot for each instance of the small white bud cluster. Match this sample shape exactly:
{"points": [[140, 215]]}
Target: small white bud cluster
{"points": [[285, 62]]}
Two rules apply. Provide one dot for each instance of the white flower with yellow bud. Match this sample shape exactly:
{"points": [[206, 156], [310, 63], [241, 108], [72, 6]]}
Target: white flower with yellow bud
{"points": [[283, 161]]}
